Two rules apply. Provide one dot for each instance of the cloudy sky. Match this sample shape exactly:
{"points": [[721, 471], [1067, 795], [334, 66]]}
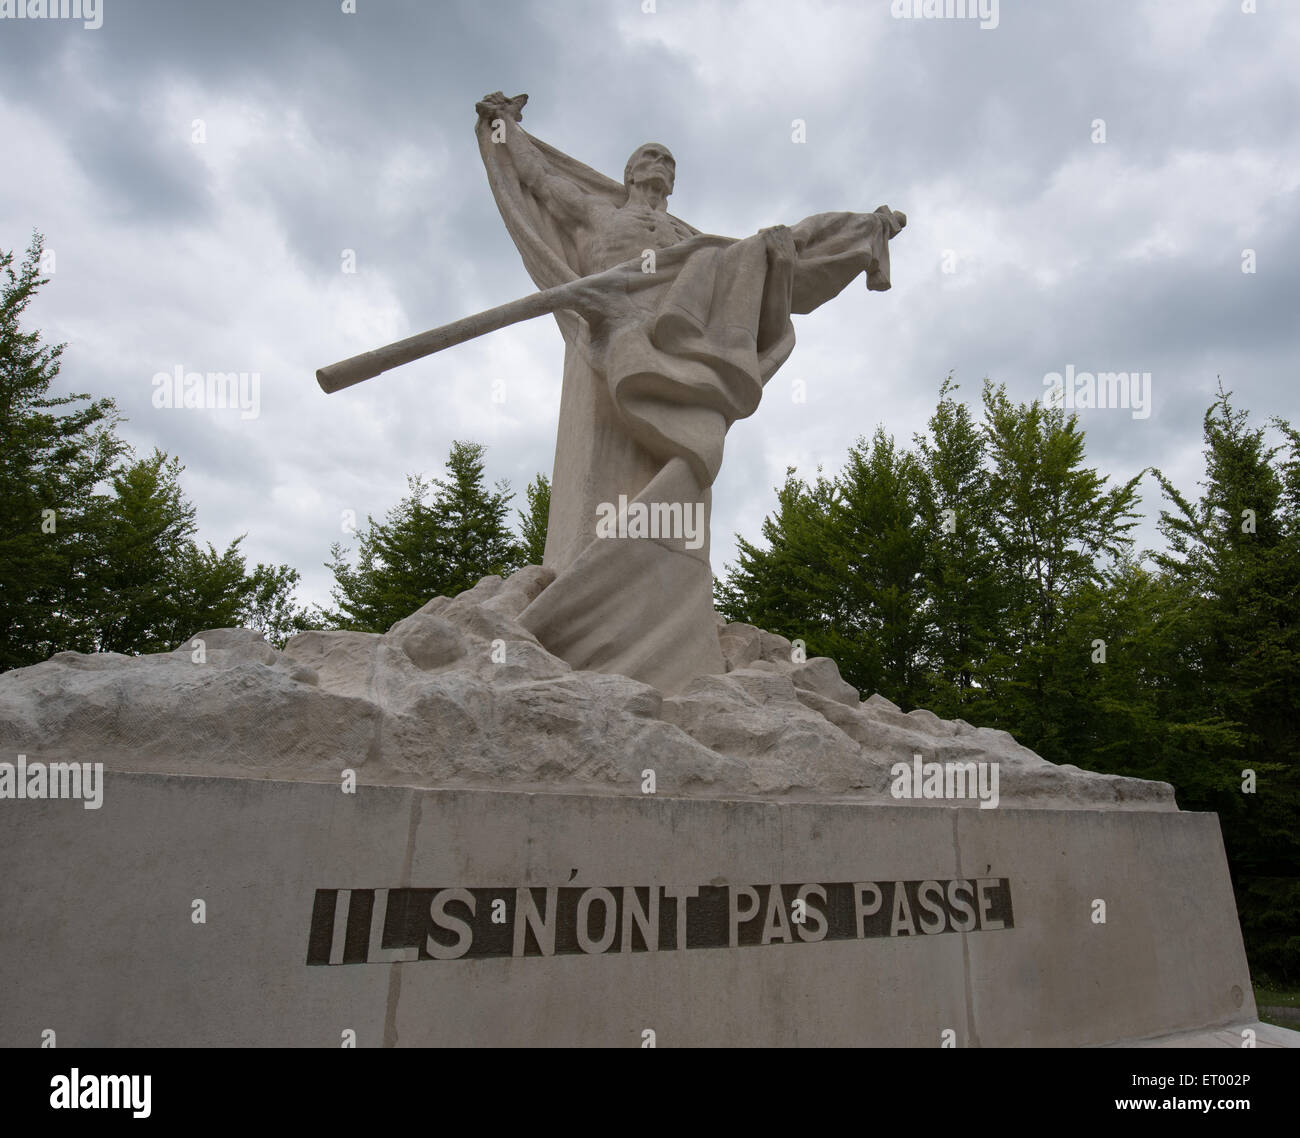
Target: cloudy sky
{"points": [[199, 170]]}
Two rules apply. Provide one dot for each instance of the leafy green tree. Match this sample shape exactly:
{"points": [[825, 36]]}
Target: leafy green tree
{"points": [[964, 588], [1059, 532], [216, 590], [210, 589], [946, 576], [269, 605], [843, 569], [533, 524], [1137, 710], [439, 540], [54, 451], [879, 559], [789, 587]]}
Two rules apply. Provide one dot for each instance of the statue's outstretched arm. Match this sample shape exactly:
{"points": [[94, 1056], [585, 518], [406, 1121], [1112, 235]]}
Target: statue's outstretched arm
{"points": [[502, 115]]}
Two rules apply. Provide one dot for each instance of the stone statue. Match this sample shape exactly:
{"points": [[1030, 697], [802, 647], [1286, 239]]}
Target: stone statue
{"points": [[670, 335]]}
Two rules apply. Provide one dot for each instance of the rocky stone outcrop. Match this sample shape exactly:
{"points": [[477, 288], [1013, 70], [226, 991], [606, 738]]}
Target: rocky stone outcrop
{"points": [[459, 694]]}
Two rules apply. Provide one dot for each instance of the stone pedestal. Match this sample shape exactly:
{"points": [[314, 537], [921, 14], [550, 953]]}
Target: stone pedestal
{"points": [[417, 917]]}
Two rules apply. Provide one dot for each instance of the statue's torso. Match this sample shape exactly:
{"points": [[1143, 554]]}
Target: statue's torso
{"points": [[617, 234]]}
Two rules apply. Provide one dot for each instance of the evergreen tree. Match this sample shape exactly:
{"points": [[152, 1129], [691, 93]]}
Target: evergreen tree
{"points": [[146, 527], [533, 524], [1235, 555], [54, 451], [473, 518], [151, 586], [440, 539]]}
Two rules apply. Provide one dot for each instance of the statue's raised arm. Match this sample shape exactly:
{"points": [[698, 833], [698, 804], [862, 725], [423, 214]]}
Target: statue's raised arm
{"points": [[500, 116]]}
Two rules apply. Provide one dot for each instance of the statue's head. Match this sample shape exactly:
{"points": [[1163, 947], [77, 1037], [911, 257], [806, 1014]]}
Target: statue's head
{"points": [[649, 162]]}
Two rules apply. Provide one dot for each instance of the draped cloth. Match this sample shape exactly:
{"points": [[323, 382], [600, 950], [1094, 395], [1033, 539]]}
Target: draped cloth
{"points": [[658, 365]]}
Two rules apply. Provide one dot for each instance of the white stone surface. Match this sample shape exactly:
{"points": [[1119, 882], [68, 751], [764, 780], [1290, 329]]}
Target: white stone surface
{"points": [[1264, 1035], [426, 705], [670, 337], [98, 940]]}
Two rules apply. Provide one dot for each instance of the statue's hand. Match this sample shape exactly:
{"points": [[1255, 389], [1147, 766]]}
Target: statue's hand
{"points": [[895, 219], [498, 106]]}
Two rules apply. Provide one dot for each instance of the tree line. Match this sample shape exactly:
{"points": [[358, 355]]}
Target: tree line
{"points": [[985, 572]]}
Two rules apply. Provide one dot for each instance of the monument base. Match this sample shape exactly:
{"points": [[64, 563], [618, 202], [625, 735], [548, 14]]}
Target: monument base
{"points": [[196, 911]]}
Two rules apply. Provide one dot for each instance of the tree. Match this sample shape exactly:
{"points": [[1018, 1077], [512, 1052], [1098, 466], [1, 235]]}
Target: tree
{"points": [[473, 520], [210, 589], [533, 524], [152, 586], [879, 558], [139, 545], [842, 570], [269, 606], [87, 570], [1234, 556], [54, 451], [425, 549], [1059, 531], [947, 576], [964, 587], [215, 590], [787, 588]]}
